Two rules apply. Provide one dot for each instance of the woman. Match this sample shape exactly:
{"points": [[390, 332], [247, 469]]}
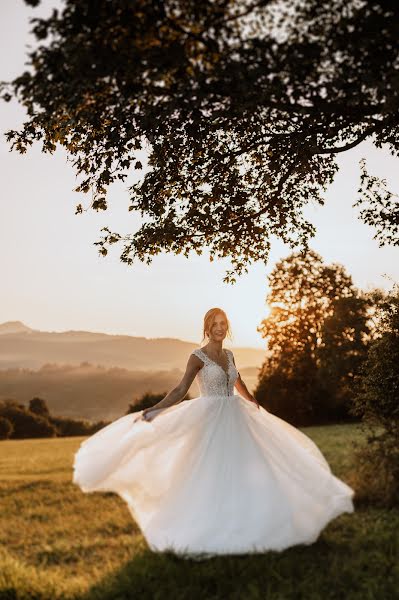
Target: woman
{"points": [[217, 474]]}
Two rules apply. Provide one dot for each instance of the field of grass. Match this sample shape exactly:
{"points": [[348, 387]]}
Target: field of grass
{"points": [[58, 543]]}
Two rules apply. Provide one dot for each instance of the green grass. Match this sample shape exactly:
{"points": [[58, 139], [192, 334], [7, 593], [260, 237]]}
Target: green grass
{"points": [[58, 543]]}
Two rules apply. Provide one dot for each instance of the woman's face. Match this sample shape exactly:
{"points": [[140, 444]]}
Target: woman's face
{"points": [[218, 329]]}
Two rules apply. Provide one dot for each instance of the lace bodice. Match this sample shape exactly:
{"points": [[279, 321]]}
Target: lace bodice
{"points": [[213, 379]]}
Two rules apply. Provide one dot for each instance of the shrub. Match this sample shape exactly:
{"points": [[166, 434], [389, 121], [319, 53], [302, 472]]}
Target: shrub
{"points": [[26, 424], [72, 427], [39, 407], [147, 400], [377, 402], [6, 428]]}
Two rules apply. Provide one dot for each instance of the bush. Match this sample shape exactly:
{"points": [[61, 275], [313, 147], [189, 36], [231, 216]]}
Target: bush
{"points": [[147, 401], [6, 428], [70, 427], [377, 402], [26, 424], [39, 407], [97, 426]]}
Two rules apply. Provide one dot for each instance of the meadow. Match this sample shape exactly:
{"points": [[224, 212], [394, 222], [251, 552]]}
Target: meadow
{"points": [[58, 543]]}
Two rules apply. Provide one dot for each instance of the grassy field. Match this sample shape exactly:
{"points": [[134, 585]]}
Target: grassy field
{"points": [[58, 543]]}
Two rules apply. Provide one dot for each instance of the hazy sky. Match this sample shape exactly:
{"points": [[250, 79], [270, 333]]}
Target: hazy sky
{"points": [[54, 279]]}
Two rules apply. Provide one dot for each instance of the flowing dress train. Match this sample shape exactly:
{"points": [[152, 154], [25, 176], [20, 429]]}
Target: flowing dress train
{"points": [[215, 474]]}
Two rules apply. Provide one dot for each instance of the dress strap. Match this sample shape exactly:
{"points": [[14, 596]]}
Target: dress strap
{"points": [[201, 355], [233, 362]]}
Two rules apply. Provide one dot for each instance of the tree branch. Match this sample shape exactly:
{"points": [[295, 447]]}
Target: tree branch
{"points": [[337, 149]]}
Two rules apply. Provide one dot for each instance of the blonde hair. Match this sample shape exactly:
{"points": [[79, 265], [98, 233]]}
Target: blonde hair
{"points": [[209, 319]]}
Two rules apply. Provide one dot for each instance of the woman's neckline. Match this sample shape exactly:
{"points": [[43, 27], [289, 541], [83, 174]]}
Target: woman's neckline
{"points": [[217, 363]]}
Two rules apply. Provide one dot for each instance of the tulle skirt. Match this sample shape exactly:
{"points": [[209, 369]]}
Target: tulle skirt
{"points": [[215, 475]]}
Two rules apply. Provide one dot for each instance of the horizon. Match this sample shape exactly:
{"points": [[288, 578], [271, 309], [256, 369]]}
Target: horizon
{"points": [[20, 322]]}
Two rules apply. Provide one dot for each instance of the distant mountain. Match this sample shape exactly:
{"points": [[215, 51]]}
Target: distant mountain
{"points": [[21, 346], [14, 327]]}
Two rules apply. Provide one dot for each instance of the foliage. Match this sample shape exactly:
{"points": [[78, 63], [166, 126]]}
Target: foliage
{"points": [[70, 427], [379, 207], [344, 338], [242, 107], [147, 400], [317, 334], [6, 428], [39, 406], [26, 423], [377, 402]]}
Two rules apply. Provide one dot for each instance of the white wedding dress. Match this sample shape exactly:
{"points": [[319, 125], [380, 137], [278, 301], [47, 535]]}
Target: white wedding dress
{"points": [[215, 474]]}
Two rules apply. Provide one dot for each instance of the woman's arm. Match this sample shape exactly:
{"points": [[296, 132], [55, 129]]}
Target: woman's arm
{"points": [[194, 364], [243, 390]]}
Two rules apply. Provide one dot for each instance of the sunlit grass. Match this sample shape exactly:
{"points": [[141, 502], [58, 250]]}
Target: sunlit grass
{"points": [[60, 543]]}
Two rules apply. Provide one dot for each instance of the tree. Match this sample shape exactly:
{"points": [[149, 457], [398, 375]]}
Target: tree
{"points": [[242, 107], [316, 333], [6, 428], [148, 400], [377, 403], [345, 338], [72, 427], [39, 407], [26, 424]]}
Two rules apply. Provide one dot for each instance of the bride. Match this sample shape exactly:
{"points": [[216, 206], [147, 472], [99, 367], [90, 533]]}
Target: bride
{"points": [[216, 474]]}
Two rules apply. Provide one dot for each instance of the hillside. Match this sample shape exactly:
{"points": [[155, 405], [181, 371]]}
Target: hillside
{"points": [[96, 376], [21, 346]]}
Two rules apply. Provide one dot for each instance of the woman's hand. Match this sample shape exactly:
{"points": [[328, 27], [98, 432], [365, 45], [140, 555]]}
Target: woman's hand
{"points": [[146, 416]]}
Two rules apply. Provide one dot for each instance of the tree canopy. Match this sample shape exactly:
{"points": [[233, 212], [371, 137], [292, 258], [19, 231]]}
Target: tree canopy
{"points": [[242, 106], [39, 407], [317, 335]]}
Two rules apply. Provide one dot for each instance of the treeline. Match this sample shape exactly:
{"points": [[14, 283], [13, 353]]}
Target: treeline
{"points": [[333, 356], [318, 334], [18, 421], [85, 391]]}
